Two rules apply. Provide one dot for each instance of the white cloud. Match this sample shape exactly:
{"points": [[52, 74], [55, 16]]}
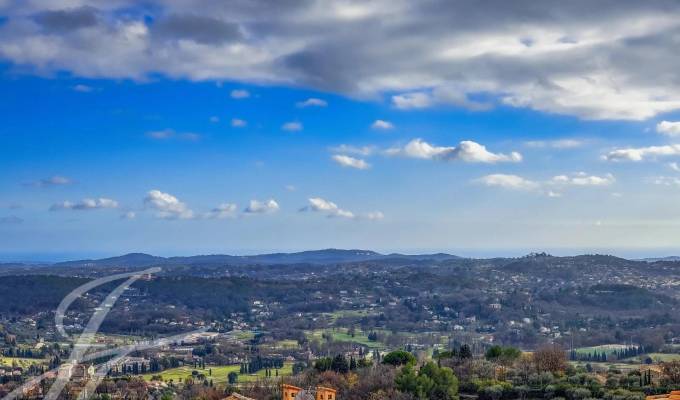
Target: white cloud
{"points": [[351, 162], [83, 88], [674, 166], [467, 151], [85, 204], [642, 153], [312, 102], [374, 215], [591, 64], [166, 134], [556, 144], [666, 181], [507, 181], [344, 148], [668, 128], [292, 126], [383, 125], [238, 123], [517, 182], [222, 211], [583, 179], [442, 95], [331, 209], [56, 180], [261, 207], [214, 119], [128, 215], [410, 101], [239, 94], [290, 188], [167, 206]]}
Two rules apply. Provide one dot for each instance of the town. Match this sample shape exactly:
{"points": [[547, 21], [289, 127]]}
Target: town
{"points": [[502, 328]]}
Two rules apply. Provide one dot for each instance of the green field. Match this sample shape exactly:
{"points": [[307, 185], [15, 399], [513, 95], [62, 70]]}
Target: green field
{"points": [[219, 373], [662, 357], [287, 344], [20, 362], [605, 348]]}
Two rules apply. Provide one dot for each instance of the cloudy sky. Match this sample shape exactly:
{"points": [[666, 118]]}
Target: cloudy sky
{"points": [[478, 128]]}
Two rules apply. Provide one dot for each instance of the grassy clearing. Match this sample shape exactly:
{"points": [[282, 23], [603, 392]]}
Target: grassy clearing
{"points": [[219, 374], [605, 348], [342, 335], [662, 357], [20, 362], [287, 344]]}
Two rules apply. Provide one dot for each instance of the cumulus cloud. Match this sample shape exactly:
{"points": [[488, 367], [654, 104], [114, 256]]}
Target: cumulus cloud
{"points": [[331, 210], [239, 94], [508, 181], [238, 123], [83, 88], [312, 102], [171, 134], [668, 128], [666, 181], [261, 207], [382, 125], [292, 126], [351, 162], [556, 144], [224, 210], [551, 187], [167, 206], [202, 29], [591, 62], [362, 150], [317, 204], [55, 180], [642, 153], [374, 215], [439, 96], [410, 101], [467, 151], [85, 204], [674, 166], [583, 179], [128, 215]]}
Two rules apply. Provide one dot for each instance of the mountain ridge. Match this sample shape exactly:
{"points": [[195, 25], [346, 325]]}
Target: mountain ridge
{"points": [[323, 256]]}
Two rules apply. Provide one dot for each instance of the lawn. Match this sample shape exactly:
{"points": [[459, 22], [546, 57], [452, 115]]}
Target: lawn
{"points": [[287, 344], [341, 335], [605, 348], [20, 362], [219, 373], [662, 357]]}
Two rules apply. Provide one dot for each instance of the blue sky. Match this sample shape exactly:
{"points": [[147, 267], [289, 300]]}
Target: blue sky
{"points": [[220, 154]]}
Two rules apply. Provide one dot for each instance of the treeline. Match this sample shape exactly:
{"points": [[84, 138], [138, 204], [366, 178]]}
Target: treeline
{"points": [[603, 356], [259, 363]]}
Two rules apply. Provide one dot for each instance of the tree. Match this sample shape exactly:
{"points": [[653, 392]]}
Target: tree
{"points": [[232, 377], [550, 359], [431, 382], [340, 364], [671, 371], [465, 352], [399, 357]]}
